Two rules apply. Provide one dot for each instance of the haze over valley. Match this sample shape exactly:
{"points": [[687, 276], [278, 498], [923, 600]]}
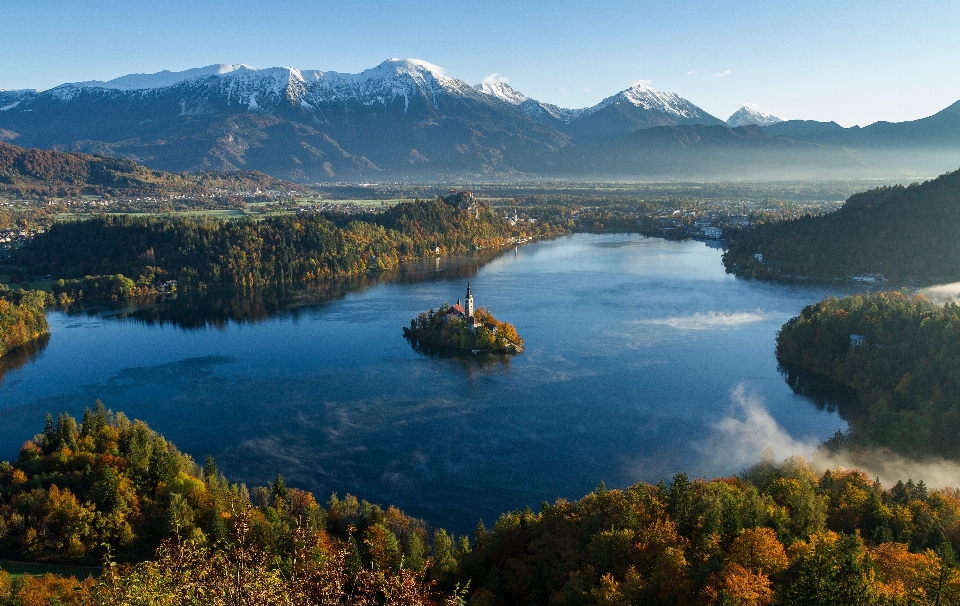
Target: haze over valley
{"points": [[614, 304]]}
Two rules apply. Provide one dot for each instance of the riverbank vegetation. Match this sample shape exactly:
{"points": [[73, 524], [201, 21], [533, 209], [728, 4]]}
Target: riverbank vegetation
{"points": [[142, 252], [22, 318], [182, 533], [899, 233], [443, 330], [899, 355]]}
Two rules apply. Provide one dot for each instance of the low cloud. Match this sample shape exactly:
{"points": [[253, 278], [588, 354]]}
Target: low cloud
{"points": [[712, 319], [890, 467], [740, 438], [942, 293], [495, 78], [722, 74], [738, 441]]}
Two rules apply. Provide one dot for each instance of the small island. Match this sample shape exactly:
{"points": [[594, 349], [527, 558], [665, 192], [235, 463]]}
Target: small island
{"points": [[461, 328]]}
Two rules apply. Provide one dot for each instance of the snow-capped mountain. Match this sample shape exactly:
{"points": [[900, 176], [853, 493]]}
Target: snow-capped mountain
{"points": [[502, 91], [635, 108], [648, 98], [404, 118], [750, 116], [546, 113], [264, 89]]}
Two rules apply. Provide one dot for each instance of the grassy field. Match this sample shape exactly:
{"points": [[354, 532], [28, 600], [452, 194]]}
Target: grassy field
{"points": [[15, 569]]}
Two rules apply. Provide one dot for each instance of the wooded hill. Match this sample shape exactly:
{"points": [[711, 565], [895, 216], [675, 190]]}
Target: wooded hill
{"points": [[903, 233], [777, 534], [276, 250], [35, 172], [901, 358]]}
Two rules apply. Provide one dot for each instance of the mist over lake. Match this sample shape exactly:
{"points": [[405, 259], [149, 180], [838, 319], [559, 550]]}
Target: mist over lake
{"points": [[643, 358]]}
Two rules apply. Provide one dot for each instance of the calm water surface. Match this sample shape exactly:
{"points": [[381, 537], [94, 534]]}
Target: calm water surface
{"points": [[643, 358]]}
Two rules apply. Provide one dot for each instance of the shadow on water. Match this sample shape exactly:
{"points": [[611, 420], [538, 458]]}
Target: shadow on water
{"points": [[465, 358], [219, 307], [22, 355], [825, 393]]}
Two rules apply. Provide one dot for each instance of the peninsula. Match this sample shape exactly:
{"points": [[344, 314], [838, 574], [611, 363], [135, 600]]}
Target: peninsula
{"points": [[461, 327]]}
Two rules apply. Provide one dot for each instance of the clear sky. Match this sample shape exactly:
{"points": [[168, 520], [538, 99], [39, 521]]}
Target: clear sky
{"points": [[852, 61]]}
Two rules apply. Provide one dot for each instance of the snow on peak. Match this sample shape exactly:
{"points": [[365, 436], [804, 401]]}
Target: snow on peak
{"points": [[749, 115], [412, 65], [498, 87], [641, 95], [393, 79], [165, 78]]}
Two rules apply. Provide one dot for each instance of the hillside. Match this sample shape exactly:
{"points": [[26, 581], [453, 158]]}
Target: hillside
{"points": [[406, 119], [54, 173], [248, 252], [778, 534], [903, 368], [903, 233]]}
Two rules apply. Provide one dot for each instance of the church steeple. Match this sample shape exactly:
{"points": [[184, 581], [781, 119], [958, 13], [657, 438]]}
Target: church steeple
{"points": [[469, 302]]}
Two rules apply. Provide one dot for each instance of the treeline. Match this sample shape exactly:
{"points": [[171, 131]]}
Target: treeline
{"points": [[899, 355], [778, 534], [899, 232], [111, 488], [439, 330], [22, 318], [246, 252], [36, 172]]}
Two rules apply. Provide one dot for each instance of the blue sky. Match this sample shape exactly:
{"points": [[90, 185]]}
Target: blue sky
{"points": [[852, 61]]}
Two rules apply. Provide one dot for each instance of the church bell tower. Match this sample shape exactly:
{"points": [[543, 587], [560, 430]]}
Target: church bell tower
{"points": [[468, 303]]}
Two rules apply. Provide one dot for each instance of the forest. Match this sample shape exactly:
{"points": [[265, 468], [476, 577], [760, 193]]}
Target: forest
{"points": [[22, 318], [171, 531], [438, 330], [899, 355], [142, 252], [902, 233], [36, 172]]}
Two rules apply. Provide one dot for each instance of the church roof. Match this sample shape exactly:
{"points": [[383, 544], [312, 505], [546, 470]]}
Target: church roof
{"points": [[457, 308]]}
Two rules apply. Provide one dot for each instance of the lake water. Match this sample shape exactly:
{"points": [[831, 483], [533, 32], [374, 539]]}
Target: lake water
{"points": [[643, 358]]}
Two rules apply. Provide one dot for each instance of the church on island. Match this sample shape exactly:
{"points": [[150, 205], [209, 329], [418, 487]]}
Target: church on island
{"points": [[462, 327], [464, 311]]}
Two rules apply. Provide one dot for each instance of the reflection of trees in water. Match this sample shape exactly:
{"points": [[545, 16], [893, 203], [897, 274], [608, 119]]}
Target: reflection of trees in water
{"points": [[20, 356], [467, 359], [218, 307], [825, 393]]}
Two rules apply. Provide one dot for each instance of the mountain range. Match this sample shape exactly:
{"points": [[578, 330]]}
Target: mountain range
{"points": [[406, 119]]}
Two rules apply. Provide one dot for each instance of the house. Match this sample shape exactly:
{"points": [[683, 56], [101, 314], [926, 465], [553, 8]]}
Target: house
{"points": [[857, 340], [713, 233]]}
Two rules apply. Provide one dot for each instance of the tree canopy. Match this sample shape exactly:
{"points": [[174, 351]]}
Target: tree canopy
{"points": [[899, 232], [901, 358]]}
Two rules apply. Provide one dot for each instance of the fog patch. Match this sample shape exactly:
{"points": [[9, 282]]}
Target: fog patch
{"points": [[739, 440], [890, 467], [942, 293], [711, 319]]}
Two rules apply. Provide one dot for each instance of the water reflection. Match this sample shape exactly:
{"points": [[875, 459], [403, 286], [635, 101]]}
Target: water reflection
{"points": [[823, 392], [20, 356], [466, 359], [219, 307]]}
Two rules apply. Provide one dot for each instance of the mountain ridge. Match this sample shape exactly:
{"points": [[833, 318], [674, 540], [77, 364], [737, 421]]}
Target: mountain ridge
{"points": [[407, 119]]}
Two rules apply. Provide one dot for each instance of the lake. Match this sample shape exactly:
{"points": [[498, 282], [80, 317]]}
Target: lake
{"points": [[643, 358]]}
